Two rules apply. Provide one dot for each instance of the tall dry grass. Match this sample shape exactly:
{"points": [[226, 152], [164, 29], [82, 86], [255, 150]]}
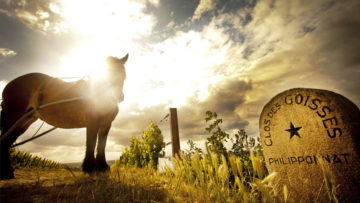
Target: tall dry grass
{"points": [[210, 178], [197, 178]]}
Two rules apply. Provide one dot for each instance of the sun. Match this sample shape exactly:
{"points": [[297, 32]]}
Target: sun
{"points": [[82, 62], [106, 28], [112, 28]]}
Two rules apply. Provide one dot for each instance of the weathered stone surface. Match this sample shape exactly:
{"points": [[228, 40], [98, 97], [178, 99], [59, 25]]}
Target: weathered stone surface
{"points": [[300, 128]]}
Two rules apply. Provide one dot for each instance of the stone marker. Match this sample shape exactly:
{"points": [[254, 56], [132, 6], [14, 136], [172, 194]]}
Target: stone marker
{"points": [[300, 128]]}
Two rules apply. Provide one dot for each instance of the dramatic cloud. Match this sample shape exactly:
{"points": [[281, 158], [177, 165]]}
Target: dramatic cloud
{"points": [[122, 20], [204, 6], [177, 67], [230, 57], [223, 98], [310, 46], [108, 17], [36, 14]]}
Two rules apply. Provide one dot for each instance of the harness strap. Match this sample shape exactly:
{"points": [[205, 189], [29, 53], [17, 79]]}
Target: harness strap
{"points": [[30, 113]]}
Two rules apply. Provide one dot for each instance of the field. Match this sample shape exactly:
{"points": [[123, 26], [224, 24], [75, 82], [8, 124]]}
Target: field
{"points": [[61, 185], [193, 179], [127, 184], [217, 175]]}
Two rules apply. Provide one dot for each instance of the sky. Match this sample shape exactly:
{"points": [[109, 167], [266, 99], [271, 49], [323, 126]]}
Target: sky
{"points": [[227, 56]]}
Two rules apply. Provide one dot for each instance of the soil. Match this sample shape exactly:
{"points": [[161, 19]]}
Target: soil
{"points": [[36, 185]]}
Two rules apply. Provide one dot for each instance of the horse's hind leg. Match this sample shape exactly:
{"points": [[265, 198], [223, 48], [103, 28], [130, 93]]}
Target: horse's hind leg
{"points": [[6, 170], [101, 164]]}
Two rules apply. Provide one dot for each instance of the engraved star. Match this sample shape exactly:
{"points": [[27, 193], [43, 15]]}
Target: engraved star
{"points": [[293, 131]]}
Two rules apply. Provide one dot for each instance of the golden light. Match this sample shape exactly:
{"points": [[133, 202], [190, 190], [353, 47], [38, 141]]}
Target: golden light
{"points": [[108, 27], [167, 72], [113, 19], [84, 62]]}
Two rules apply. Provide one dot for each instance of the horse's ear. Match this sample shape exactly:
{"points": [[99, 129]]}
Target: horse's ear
{"points": [[124, 59]]}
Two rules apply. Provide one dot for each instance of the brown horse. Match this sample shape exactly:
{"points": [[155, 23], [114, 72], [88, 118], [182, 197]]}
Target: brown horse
{"points": [[93, 105]]}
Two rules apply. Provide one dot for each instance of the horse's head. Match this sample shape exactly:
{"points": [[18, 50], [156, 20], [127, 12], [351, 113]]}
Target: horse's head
{"points": [[117, 75]]}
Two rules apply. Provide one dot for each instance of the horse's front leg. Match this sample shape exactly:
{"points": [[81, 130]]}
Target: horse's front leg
{"points": [[101, 164], [89, 164]]}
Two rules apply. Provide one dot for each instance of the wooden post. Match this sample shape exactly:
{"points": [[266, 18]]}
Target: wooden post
{"points": [[174, 132]]}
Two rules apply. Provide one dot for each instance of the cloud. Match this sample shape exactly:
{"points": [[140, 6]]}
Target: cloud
{"points": [[224, 98], [6, 53], [156, 3], [60, 153], [173, 69], [111, 18], [280, 50], [103, 28], [117, 20], [204, 6], [133, 121], [298, 45], [299, 57], [63, 145], [36, 14], [228, 59], [284, 45]]}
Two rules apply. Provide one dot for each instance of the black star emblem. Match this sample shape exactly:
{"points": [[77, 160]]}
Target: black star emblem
{"points": [[293, 131]]}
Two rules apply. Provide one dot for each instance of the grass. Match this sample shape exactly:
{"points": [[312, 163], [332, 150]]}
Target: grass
{"points": [[329, 182], [199, 178], [192, 180], [213, 179], [119, 185]]}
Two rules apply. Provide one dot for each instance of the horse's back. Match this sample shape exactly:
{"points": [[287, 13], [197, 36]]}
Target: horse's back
{"points": [[34, 90], [24, 85], [18, 93]]}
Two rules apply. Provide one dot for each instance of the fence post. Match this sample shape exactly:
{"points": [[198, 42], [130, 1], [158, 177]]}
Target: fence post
{"points": [[174, 132]]}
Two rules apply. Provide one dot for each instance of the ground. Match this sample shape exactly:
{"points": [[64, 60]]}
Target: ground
{"points": [[36, 185], [60, 185]]}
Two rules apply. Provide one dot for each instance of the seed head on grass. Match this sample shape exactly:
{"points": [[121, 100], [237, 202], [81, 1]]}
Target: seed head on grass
{"points": [[329, 182]]}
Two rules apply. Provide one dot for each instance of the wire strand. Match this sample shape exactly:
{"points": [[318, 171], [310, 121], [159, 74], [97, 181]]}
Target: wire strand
{"points": [[38, 129], [165, 117], [33, 138]]}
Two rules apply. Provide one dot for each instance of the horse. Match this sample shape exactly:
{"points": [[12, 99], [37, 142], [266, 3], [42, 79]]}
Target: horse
{"points": [[87, 104]]}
